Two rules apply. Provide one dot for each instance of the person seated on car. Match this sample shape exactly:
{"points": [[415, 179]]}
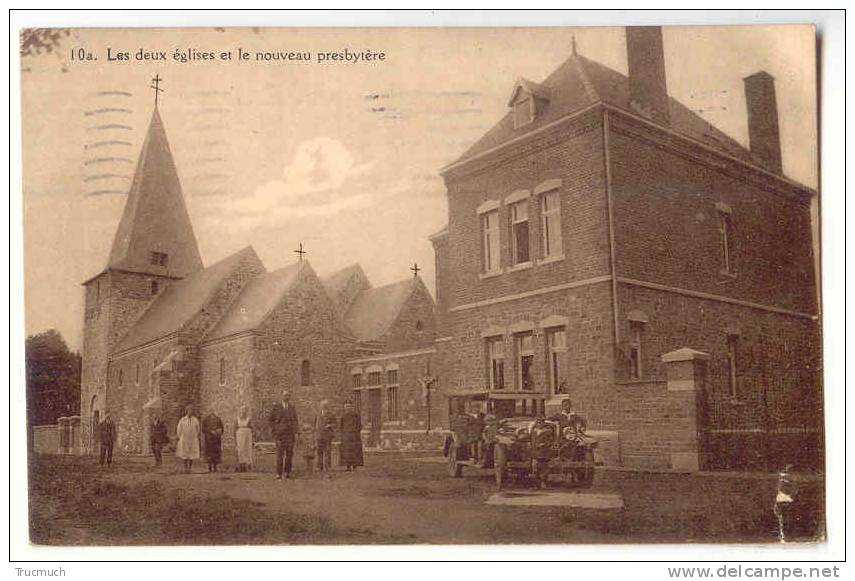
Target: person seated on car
{"points": [[568, 418]]}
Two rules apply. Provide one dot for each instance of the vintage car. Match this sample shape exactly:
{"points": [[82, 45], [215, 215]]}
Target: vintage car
{"points": [[528, 447]]}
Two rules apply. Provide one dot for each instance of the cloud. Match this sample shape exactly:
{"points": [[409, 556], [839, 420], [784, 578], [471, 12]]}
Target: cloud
{"points": [[322, 178]]}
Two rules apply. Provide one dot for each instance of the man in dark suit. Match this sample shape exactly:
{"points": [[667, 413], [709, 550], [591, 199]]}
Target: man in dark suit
{"points": [[283, 423], [158, 438], [106, 436]]}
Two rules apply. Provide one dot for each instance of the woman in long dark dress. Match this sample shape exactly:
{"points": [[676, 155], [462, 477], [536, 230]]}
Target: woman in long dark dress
{"points": [[350, 454]]}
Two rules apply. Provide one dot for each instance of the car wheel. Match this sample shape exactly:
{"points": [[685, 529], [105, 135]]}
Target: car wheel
{"points": [[454, 469], [500, 460]]}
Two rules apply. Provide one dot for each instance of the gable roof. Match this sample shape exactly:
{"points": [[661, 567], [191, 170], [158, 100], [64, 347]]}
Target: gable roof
{"points": [[155, 217], [580, 82], [182, 300], [256, 301], [375, 309], [336, 285]]}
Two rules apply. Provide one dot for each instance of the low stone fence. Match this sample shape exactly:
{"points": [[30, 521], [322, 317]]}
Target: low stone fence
{"points": [[64, 437]]}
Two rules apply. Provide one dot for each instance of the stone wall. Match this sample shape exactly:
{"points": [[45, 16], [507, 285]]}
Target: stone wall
{"points": [[303, 326]]}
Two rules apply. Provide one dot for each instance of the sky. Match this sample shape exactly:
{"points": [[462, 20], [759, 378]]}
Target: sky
{"points": [[342, 157]]}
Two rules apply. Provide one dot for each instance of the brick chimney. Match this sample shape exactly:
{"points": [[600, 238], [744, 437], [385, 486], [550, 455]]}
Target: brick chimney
{"points": [[648, 92], [763, 134]]}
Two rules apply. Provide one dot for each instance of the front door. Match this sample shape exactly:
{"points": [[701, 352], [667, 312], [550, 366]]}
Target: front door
{"points": [[374, 417]]}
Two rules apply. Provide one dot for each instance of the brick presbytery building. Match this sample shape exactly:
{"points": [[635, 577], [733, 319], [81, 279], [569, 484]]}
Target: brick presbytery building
{"points": [[161, 331], [605, 243]]}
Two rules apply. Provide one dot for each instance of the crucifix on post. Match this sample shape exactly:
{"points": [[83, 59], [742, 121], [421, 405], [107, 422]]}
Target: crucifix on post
{"points": [[427, 382], [156, 86], [300, 252], [415, 268]]}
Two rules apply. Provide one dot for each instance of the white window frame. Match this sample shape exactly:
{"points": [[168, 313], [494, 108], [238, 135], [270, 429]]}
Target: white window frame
{"points": [[555, 351], [493, 356], [636, 328], [554, 215], [733, 366], [725, 228], [524, 101], [519, 354], [491, 255], [515, 220]]}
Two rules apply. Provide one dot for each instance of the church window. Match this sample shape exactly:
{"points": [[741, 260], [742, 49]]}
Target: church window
{"points": [[519, 232], [550, 211], [158, 258], [490, 234], [525, 361], [137, 374], [305, 373], [222, 371], [357, 401], [392, 403], [419, 325], [154, 287], [356, 380], [121, 378], [374, 378], [392, 377]]}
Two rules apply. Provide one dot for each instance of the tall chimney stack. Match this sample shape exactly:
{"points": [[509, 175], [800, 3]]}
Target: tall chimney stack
{"points": [[648, 92], [763, 134]]}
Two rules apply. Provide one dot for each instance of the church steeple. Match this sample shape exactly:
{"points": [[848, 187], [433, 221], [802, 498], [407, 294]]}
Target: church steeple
{"points": [[155, 235]]}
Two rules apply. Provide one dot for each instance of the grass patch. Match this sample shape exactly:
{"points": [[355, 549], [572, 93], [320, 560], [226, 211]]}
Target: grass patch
{"points": [[72, 503]]}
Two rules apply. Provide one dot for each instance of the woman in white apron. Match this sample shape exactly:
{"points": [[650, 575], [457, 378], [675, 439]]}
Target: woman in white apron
{"points": [[243, 439], [189, 433]]}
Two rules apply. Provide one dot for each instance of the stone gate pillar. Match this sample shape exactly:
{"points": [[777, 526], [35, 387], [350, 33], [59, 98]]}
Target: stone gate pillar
{"points": [[686, 372]]}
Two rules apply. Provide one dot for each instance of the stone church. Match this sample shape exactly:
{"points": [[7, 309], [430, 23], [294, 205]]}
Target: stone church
{"points": [[162, 331]]}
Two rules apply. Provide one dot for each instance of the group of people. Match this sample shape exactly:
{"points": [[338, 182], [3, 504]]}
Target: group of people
{"points": [[195, 438]]}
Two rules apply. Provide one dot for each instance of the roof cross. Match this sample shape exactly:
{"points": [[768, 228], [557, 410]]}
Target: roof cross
{"points": [[156, 86], [415, 268], [300, 252]]}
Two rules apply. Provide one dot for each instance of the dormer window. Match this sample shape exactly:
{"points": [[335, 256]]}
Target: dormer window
{"points": [[526, 99], [523, 110]]}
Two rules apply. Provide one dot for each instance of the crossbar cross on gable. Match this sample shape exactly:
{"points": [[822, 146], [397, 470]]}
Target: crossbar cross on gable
{"points": [[156, 86], [415, 268], [300, 252]]}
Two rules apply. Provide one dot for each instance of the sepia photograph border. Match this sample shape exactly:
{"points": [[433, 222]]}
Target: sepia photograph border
{"points": [[831, 59]]}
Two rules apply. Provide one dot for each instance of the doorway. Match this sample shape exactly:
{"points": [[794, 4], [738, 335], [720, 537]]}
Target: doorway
{"points": [[375, 417], [95, 419]]}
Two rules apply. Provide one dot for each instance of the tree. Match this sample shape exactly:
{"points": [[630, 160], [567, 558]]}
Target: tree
{"points": [[53, 378]]}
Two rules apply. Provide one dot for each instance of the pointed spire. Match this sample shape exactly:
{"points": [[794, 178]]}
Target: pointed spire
{"points": [[155, 234]]}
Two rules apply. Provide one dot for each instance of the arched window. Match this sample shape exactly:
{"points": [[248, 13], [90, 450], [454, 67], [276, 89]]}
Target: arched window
{"points": [[222, 371], [305, 373], [154, 287], [121, 378]]}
